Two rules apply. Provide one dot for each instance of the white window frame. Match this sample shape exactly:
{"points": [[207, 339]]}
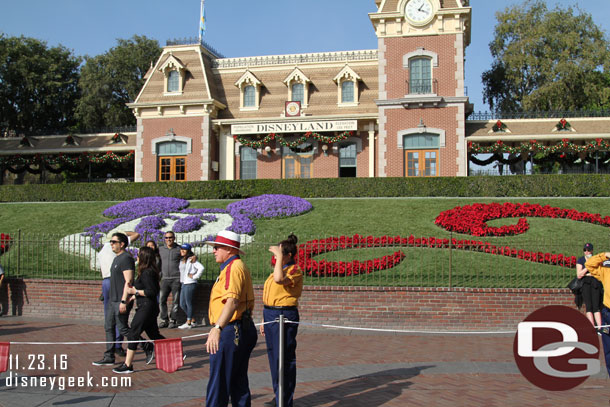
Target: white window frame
{"points": [[421, 53], [173, 64], [347, 74], [297, 76], [249, 79]]}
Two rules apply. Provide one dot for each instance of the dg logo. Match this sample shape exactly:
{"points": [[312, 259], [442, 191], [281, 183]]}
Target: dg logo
{"points": [[556, 348]]}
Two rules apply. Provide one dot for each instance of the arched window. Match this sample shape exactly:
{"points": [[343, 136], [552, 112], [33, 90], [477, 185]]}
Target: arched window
{"points": [[347, 92], [173, 82], [421, 155], [171, 148], [298, 93], [247, 163], [420, 75], [249, 96]]}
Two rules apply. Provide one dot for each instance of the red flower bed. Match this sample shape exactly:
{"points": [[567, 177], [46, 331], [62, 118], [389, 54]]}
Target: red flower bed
{"points": [[5, 242], [472, 219], [342, 268], [326, 268]]}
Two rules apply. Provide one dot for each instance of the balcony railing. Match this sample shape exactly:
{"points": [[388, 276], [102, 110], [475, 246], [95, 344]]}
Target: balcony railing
{"points": [[422, 87], [554, 114]]}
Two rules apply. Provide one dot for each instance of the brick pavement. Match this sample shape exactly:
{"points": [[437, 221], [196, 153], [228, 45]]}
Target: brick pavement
{"points": [[336, 368]]}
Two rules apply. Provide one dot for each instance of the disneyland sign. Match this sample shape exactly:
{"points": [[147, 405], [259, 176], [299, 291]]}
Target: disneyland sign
{"points": [[294, 127]]}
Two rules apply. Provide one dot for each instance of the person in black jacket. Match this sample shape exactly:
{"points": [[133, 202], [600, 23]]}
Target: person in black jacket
{"points": [[145, 290]]}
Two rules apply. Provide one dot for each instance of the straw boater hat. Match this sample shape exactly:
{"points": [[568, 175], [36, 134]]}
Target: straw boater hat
{"points": [[226, 238]]}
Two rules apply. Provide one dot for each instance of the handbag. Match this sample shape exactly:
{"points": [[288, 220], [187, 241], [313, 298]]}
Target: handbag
{"points": [[575, 285]]}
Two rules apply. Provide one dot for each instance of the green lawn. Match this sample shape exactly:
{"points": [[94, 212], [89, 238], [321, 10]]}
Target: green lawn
{"points": [[335, 217]]}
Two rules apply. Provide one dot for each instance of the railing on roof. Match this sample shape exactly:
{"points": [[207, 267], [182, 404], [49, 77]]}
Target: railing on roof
{"points": [[340, 56], [194, 41], [54, 132], [555, 114]]}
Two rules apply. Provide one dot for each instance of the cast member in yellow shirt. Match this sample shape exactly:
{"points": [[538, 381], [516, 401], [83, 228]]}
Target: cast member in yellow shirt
{"points": [[281, 296]]}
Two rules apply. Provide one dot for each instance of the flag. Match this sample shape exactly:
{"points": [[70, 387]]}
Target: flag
{"points": [[4, 355], [168, 354], [201, 21]]}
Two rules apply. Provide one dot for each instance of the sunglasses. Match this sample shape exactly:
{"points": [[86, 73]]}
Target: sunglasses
{"points": [[114, 242], [216, 248], [168, 237]]}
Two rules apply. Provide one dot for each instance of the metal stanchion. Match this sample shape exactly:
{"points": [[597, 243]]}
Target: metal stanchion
{"points": [[280, 372]]}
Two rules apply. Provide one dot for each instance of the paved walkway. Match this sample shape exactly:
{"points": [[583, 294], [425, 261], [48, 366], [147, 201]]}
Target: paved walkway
{"points": [[336, 368]]}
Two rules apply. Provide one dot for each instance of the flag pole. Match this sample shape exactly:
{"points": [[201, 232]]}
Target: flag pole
{"points": [[201, 22]]}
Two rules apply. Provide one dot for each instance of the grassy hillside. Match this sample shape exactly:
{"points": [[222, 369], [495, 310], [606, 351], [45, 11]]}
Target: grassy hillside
{"points": [[364, 216]]}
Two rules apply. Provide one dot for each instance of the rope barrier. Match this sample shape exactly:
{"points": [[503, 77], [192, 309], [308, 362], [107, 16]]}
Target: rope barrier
{"points": [[354, 328], [121, 342], [401, 330]]}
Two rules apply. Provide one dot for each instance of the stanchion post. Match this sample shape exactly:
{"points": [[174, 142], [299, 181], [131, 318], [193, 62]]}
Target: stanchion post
{"points": [[450, 258], [280, 372]]}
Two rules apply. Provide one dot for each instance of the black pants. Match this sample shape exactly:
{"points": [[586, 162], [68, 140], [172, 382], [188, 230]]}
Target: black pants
{"points": [[592, 294], [166, 287], [145, 320]]}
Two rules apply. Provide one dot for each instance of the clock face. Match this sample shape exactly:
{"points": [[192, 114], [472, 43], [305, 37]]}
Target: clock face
{"points": [[419, 11]]}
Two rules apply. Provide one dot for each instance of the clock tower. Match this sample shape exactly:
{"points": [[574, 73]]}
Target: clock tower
{"points": [[422, 99]]}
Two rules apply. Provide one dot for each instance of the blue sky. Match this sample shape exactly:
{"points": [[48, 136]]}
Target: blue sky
{"points": [[244, 27]]}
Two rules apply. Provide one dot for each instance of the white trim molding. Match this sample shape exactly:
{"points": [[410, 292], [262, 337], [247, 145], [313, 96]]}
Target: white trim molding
{"points": [[187, 140], [420, 130]]}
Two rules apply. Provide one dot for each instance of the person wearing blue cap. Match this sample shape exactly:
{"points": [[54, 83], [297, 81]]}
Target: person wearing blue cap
{"points": [[189, 274]]}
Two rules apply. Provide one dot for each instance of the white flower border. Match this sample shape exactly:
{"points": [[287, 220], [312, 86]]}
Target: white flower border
{"points": [[79, 245]]}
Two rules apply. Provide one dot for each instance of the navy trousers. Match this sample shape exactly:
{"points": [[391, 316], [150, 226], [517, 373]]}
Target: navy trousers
{"points": [[229, 366], [272, 337]]}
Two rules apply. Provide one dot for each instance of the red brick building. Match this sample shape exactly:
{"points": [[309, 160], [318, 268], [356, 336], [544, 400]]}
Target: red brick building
{"points": [[398, 110]]}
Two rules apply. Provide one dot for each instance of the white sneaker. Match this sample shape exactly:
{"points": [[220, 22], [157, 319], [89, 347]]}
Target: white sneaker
{"points": [[184, 326], [193, 324]]}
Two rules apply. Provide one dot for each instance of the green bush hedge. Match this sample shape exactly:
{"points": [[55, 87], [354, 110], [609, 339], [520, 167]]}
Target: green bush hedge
{"points": [[585, 185]]}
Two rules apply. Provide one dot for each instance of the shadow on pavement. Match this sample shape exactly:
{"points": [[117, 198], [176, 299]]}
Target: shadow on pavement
{"points": [[373, 389], [22, 328]]}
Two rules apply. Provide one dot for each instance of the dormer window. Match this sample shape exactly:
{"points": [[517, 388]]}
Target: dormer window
{"points": [[298, 93], [347, 89], [249, 96], [298, 87], [250, 87], [347, 92], [173, 82], [175, 73]]}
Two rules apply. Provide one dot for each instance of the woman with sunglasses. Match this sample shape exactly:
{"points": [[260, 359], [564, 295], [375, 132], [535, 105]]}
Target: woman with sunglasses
{"points": [[281, 297]]}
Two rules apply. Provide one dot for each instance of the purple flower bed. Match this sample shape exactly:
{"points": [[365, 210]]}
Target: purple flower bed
{"points": [[145, 206], [242, 224], [187, 224], [155, 209], [150, 228], [270, 206]]}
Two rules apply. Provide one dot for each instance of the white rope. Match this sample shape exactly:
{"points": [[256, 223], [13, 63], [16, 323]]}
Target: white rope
{"points": [[106, 343], [402, 330], [355, 328]]}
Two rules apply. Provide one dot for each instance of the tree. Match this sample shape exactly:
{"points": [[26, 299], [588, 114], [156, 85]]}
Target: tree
{"points": [[111, 80], [39, 85], [546, 60]]}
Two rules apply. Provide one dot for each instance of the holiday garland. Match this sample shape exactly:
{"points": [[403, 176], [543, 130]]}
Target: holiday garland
{"points": [[259, 142], [534, 146], [63, 160]]}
